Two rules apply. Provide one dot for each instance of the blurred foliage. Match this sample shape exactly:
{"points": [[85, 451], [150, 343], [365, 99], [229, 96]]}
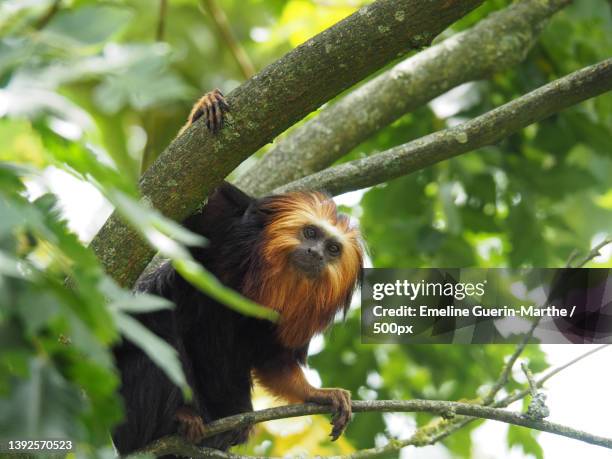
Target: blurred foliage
{"points": [[530, 200], [57, 375], [86, 88]]}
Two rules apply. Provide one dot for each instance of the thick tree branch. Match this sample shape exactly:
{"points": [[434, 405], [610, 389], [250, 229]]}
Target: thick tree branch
{"points": [[267, 104], [483, 130], [500, 41]]}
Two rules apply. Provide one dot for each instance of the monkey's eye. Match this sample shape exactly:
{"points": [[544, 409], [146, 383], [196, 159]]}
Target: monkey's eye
{"points": [[333, 249], [310, 232]]}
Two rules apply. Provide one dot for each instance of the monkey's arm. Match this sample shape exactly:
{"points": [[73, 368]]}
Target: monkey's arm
{"points": [[212, 106], [284, 378]]}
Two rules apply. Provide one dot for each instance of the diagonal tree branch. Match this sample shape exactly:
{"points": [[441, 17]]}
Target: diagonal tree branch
{"points": [[168, 445], [267, 104], [483, 130], [498, 42], [460, 414]]}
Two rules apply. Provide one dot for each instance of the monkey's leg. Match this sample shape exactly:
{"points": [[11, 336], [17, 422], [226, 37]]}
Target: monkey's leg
{"points": [[286, 379], [221, 384], [191, 424], [212, 106], [150, 401], [193, 428]]}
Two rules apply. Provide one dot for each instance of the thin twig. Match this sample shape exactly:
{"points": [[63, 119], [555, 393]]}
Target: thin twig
{"points": [[454, 425], [537, 406], [595, 252], [222, 25], [507, 369], [540, 382], [571, 258], [530, 379], [161, 21], [441, 428]]}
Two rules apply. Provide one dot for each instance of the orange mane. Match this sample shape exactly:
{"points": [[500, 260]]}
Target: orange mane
{"points": [[306, 305]]}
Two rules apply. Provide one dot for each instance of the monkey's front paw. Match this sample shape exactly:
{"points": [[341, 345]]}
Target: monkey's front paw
{"points": [[340, 400], [191, 425], [212, 106]]}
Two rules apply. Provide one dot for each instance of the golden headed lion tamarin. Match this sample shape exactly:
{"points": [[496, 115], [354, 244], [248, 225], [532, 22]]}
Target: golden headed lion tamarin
{"points": [[293, 253]]}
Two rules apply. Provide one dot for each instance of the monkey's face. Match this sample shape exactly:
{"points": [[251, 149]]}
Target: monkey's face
{"points": [[306, 236], [308, 262], [318, 247]]}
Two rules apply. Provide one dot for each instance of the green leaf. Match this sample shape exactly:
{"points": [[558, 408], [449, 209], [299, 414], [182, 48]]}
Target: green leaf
{"points": [[89, 25], [20, 143], [41, 406], [159, 231], [139, 303], [209, 284], [526, 440], [80, 160], [460, 442], [10, 266]]}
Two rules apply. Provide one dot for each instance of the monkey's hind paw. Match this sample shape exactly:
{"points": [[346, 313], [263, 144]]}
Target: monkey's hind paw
{"points": [[191, 425], [340, 400], [212, 106]]}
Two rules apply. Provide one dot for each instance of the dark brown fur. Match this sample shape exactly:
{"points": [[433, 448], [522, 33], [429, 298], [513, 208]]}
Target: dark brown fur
{"points": [[249, 247]]}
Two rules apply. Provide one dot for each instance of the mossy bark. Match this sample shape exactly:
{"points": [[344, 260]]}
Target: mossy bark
{"points": [[267, 104], [483, 130], [496, 43]]}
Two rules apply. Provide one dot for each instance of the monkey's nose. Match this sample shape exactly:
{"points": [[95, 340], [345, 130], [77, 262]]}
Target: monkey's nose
{"points": [[318, 255]]}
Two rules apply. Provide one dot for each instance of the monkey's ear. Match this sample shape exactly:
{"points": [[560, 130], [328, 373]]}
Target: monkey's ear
{"points": [[230, 197], [225, 204], [346, 304]]}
